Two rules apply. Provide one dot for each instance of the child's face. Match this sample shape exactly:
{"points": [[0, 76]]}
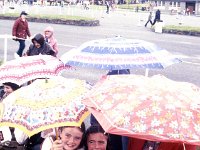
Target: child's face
{"points": [[71, 138], [97, 141]]}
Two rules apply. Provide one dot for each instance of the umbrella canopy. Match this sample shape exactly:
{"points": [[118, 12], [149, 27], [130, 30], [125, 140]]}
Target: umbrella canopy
{"points": [[25, 69], [45, 104], [152, 108], [119, 53]]}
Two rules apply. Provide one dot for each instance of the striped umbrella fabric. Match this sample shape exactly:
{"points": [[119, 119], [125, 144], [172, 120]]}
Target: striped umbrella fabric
{"points": [[28, 68], [119, 53]]}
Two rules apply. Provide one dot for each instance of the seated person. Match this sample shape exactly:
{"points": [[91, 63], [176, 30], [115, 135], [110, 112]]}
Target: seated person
{"points": [[96, 138], [70, 138], [40, 47]]}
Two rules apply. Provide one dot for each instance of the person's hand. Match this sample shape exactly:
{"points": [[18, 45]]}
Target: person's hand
{"points": [[57, 145], [14, 38]]}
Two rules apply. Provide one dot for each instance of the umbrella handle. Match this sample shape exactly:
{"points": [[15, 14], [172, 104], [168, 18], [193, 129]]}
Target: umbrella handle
{"points": [[56, 130], [184, 146]]}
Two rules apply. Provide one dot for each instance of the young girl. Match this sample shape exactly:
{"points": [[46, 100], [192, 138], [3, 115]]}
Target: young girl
{"points": [[70, 138]]}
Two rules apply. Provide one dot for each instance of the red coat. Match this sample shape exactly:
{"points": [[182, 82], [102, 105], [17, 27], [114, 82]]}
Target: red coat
{"points": [[21, 29], [137, 144]]}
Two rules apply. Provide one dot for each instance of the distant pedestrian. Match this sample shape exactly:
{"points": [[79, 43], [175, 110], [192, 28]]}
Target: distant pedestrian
{"points": [[86, 4], [188, 11], [137, 8], [50, 39], [157, 17], [107, 7], [20, 32], [149, 19]]}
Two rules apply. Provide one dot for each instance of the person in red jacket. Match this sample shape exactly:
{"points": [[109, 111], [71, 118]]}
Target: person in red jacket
{"points": [[20, 32]]}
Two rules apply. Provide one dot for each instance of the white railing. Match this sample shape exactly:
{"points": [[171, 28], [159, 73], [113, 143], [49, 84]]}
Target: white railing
{"points": [[6, 37]]}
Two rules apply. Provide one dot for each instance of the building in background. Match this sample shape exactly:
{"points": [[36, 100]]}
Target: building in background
{"points": [[188, 7]]}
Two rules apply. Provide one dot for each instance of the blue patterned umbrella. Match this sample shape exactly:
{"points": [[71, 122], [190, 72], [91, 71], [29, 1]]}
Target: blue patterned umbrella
{"points": [[119, 53]]}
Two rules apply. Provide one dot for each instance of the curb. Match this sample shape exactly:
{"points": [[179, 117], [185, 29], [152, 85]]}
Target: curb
{"points": [[171, 31], [58, 21], [190, 33]]}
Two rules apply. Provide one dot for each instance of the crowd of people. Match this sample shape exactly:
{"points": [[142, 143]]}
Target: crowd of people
{"points": [[78, 138], [69, 137], [42, 43]]}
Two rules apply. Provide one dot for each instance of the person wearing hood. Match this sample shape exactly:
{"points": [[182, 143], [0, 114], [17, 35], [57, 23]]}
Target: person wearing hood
{"points": [[40, 47], [20, 31], [50, 39]]}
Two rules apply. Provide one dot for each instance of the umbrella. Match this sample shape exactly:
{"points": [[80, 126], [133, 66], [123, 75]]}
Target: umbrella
{"points": [[119, 53], [152, 108], [45, 104], [25, 69]]}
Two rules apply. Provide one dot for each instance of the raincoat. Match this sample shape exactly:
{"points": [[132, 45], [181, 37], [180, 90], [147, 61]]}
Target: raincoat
{"points": [[50, 39], [45, 48]]}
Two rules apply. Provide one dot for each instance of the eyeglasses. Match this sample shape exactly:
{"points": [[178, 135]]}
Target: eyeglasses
{"points": [[47, 31]]}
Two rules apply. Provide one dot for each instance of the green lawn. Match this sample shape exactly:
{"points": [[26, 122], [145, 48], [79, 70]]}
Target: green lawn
{"points": [[182, 28], [56, 16]]}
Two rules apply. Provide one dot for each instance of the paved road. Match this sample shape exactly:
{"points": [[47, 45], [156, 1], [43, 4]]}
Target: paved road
{"points": [[129, 25]]}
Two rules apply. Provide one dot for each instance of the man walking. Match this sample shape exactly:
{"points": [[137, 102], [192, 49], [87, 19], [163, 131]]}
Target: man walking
{"points": [[149, 19], [20, 32], [107, 6], [157, 17]]}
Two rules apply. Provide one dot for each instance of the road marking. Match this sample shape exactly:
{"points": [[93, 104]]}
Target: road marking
{"points": [[188, 62], [66, 45]]}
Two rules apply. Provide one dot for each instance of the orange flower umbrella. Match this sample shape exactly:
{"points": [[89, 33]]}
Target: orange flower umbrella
{"points": [[25, 69], [152, 108], [45, 104]]}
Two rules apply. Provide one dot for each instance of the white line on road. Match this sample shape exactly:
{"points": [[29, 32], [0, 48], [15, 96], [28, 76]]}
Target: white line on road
{"points": [[191, 63], [66, 45]]}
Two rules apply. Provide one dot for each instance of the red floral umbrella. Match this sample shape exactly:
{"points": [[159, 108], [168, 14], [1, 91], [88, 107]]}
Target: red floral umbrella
{"points": [[152, 108], [25, 69]]}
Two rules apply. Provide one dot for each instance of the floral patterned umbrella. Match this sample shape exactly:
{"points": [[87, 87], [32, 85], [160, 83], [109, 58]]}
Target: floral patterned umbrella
{"points": [[152, 108], [119, 53], [45, 104], [25, 69]]}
